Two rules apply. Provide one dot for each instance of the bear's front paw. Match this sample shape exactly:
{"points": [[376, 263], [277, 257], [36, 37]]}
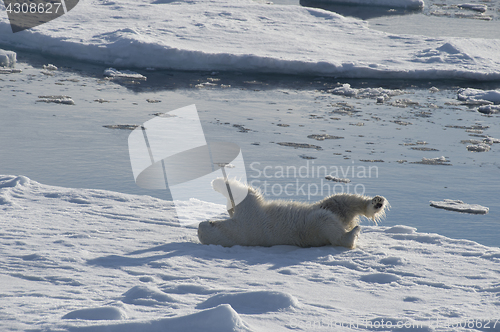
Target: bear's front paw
{"points": [[378, 202]]}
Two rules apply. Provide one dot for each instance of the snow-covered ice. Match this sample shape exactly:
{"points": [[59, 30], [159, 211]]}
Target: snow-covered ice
{"points": [[459, 206], [244, 35], [95, 260], [7, 58], [471, 94]]}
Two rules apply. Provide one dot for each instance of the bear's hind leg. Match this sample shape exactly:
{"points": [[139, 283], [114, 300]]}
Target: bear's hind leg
{"points": [[349, 239]]}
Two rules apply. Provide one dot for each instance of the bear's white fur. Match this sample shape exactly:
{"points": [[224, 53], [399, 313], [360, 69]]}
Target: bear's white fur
{"points": [[257, 222]]}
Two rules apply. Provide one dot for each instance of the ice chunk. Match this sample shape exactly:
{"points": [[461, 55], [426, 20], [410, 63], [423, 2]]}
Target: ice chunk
{"points": [[489, 109], [478, 147], [335, 179], [474, 6], [471, 94], [434, 161], [66, 100], [114, 73], [7, 58], [459, 206], [380, 94]]}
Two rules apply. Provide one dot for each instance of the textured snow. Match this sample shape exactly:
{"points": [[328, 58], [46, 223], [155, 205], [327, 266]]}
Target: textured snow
{"points": [[459, 206], [244, 35], [95, 260]]}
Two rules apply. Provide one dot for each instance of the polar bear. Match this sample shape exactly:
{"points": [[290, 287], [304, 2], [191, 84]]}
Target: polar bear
{"points": [[257, 222]]}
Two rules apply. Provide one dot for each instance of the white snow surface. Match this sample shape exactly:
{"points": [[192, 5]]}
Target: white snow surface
{"points": [[95, 260], [460, 206], [409, 4], [244, 35]]}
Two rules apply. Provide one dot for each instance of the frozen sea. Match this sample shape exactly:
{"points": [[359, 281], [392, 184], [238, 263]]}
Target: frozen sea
{"points": [[396, 100]]}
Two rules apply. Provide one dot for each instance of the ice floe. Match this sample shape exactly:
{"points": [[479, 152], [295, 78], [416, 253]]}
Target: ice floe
{"points": [[235, 36], [459, 206], [122, 263]]}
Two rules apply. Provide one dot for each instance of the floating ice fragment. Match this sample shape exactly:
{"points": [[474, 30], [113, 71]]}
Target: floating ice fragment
{"points": [[378, 93], [478, 147], [474, 6], [491, 140], [128, 127], [470, 94], [459, 206], [489, 109], [7, 58], [128, 74], [49, 67], [335, 179], [300, 145], [322, 137], [66, 100], [434, 161]]}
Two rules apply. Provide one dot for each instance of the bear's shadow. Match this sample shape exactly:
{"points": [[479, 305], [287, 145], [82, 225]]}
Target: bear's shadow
{"points": [[278, 256]]}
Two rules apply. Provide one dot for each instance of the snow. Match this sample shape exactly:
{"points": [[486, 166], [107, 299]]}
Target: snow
{"points": [[103, 313], [408, 4], [245, 35], [459, 206], [96, 260]]}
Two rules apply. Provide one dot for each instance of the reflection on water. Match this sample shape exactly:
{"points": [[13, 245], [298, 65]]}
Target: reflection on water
{"points": [[449, 18], [357, 11]]}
